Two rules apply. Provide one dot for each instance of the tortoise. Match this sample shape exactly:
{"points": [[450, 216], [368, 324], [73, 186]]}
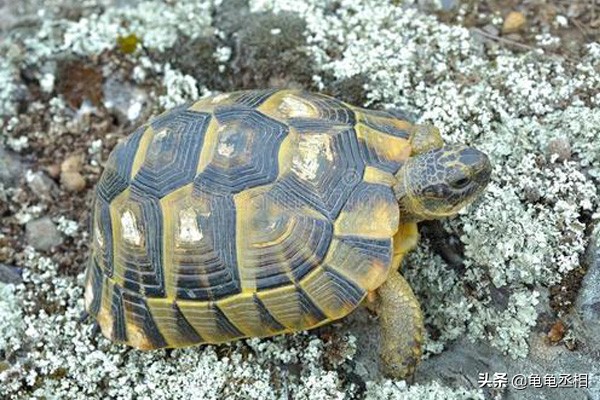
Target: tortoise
{"points": [[263, 212]]}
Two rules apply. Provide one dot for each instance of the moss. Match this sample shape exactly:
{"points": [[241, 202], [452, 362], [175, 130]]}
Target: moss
{"points": [[129, 43]]}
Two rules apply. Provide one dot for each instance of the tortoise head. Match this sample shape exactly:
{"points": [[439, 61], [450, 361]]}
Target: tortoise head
{"points": [[438, 183]]}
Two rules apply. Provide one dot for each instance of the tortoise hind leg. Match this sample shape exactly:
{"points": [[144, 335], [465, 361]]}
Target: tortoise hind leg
{"points": [[402, 327]]}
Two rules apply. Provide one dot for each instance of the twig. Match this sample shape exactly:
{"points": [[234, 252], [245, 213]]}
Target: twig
{"points": [[502, 39], [581, 28]]}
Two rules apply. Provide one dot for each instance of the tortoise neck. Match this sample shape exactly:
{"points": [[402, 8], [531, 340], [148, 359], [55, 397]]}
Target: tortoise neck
{"points": [[411, 209]]}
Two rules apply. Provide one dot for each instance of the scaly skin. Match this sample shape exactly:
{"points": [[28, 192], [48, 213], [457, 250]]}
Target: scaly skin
{"points": [[424, 138], [402, 328], [436, 182]]}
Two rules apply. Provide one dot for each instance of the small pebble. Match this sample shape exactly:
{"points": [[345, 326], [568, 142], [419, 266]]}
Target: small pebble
{"points": [[557, 332], [42, 234], [514, 22], [491, 29], [123, 100], [53, 170], [559, 147], [72, 163], [72, 181], [11, 168], [40, 184], [10, 274]]}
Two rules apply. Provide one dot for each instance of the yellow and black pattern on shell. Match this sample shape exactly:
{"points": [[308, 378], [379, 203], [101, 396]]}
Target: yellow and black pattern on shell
{"points": [[243, 214]]}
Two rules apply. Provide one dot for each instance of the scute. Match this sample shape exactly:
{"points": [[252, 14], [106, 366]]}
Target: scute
{"points": [[247, 143], [117, 171], [201, 263], [251, 213], [137, 240], [292, 307], [279, 241], [172, 156], [323, 171], [332, 292]]}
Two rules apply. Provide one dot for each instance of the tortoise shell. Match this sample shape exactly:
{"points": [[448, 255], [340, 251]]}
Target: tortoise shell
{"points": [[251, 213]]}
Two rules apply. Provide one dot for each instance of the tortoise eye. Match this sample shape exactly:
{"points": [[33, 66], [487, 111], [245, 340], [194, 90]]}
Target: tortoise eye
{"points": [[461, 183]]}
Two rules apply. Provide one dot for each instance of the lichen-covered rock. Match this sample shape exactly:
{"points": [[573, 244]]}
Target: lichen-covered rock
{"points": [[42, 234], [41, 184], [123, 100]]}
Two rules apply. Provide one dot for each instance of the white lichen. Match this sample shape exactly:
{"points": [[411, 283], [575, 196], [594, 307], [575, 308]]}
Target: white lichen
{"points": [[390, 390], [156, 24], [179, 88], [67, 226], [8, 74], [18, 144], [11, 319]]}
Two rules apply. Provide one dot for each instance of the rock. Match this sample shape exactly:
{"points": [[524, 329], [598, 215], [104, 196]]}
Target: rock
{"points": [[72, 163], [491, 29], [438, 5], [514, 22], [53, 170], [123, 100], [363, 326], [587, 304], [42, 234], [10, 274], [72, 181], [41, 184], [70, 177], [11, 168], [559, 147], [463, 362], [556, 332]]}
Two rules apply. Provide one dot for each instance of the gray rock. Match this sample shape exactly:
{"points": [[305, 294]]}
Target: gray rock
{"points": [[42, 234], [587, 305], [41, 184], [461, 364], [11, 167], [438, 5], [560, 147], [10, 274], [123, 100]]}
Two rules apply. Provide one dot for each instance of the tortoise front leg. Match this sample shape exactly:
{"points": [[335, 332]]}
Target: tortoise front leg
{"points": [[402, 327]]}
